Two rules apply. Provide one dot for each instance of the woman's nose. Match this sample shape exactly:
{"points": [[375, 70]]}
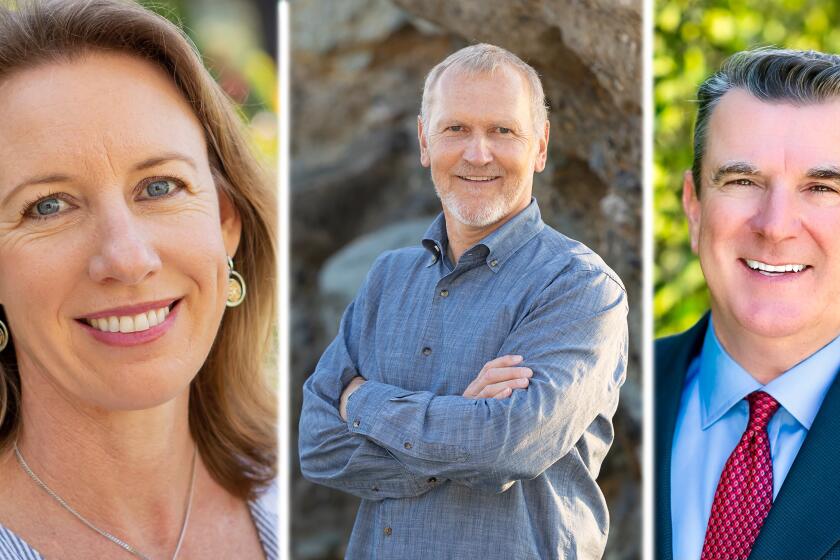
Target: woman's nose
{"points": [[125, 252]]}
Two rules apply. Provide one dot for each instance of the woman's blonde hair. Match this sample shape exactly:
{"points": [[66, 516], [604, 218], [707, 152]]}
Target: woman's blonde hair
{"points": [[232, 407]]}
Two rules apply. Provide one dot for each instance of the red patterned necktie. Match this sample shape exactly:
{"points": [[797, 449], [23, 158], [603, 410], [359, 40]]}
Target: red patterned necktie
{"points": [[744, 494]]}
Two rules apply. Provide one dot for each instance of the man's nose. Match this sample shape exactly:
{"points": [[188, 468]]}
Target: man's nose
{"points": [[778, 216], [125, 252], [478, 152]]}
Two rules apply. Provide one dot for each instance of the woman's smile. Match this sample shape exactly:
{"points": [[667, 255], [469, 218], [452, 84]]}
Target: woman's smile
{"points": [[132, 325]]}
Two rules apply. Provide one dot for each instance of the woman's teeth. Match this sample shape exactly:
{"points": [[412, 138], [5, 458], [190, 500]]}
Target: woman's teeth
{"points": [[130, 324]]}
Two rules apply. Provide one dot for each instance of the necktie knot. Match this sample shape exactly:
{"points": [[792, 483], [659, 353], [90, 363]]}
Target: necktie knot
{"points": [[762, 408]]}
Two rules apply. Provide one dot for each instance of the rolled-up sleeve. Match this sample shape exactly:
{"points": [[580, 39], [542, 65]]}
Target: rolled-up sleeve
{"points": [[574, 338]]}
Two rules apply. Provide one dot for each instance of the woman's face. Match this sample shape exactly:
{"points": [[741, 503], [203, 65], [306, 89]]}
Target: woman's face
{"points": [[109, 220]]}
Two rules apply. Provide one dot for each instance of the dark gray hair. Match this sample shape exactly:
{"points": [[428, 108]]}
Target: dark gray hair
{"points": [[485, 59], [769, 74]]}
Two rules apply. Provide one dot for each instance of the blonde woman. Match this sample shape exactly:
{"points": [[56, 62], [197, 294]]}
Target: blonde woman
{"points": [[136, 296]]}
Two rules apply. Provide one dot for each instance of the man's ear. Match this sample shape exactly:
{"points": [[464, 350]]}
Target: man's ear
{"points": [[230, 221], [425, 161], [692, 208], [542, 153]]}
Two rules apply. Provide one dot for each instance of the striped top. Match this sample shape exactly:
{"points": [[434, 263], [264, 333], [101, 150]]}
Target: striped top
{"points": [[263, 512]]}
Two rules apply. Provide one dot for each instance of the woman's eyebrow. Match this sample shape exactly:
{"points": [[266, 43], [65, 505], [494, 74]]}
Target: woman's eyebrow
{"points": [[165, 158], [62, 178], [37, 180]]}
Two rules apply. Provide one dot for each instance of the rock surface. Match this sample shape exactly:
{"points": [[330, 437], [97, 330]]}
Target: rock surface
{"points": [[357, 75]]}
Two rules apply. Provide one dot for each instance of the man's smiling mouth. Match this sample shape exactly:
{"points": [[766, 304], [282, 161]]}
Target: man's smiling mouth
{"points": [[477, 179], [774, 269]]}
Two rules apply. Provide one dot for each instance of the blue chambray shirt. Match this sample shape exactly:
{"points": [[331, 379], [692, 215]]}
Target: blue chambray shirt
{"points": [[443, 476]]}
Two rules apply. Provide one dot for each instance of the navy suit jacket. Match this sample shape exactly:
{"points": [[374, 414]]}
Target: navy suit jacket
{"points": [[804, 522]]}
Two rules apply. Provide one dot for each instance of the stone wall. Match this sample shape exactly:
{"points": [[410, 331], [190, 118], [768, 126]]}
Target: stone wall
{"points": [[358, 188]]}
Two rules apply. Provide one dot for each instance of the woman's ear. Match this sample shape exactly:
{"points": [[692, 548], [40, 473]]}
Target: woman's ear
{"points": [[230, 221]]}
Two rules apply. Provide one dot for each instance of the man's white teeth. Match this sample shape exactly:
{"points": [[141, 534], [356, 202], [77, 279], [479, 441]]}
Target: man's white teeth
{"points": [[764, 267], [130, 324], [468, 178]]}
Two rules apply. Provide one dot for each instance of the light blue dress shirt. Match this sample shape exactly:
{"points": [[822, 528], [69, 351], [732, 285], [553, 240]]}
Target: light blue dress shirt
{"points": [[443, 476], [712, 418]]}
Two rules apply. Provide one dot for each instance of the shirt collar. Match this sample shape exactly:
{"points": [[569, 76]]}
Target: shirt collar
{"points": [[435, 240], [501, 244], [800, 390]]}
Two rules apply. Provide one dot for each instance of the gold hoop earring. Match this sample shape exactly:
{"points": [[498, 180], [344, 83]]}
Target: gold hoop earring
{"points": [[236, 286], [4, 336]]}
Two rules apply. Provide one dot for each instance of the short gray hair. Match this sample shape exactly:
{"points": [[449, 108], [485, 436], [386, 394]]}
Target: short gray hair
{"points": [[769, 74], [485, 59]]}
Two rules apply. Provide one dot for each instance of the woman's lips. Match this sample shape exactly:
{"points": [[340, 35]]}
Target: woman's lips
{"points": [[131, 310], [127, 330]]}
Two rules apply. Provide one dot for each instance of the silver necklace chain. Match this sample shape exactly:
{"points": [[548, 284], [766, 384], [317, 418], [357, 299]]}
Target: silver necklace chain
{"points": [[116, 540]]}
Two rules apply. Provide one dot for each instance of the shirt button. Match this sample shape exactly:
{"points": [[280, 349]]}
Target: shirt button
{"points": [[388, 531], [407, 445], [427, 351], [356, 423], [444, 293], [494, 262]]}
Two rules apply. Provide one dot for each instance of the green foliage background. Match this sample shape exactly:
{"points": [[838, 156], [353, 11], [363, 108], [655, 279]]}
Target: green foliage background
{"points": [[691, 39], [229, 40]]}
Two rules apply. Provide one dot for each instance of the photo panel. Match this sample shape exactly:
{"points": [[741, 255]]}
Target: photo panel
{"points": [[358, 189], [746, 195]]}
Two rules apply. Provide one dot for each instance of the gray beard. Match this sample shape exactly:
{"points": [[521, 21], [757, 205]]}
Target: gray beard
{"points": [[489, 213]]}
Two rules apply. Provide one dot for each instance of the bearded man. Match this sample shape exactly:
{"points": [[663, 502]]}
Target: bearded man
{"points": [[468, 397]]}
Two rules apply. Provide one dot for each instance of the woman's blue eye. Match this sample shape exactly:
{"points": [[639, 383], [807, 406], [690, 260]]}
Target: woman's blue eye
{"points": [[159, 188], [48, 206]]}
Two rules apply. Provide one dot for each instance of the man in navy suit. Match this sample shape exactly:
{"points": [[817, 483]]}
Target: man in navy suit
{"points": [[748, 400]]}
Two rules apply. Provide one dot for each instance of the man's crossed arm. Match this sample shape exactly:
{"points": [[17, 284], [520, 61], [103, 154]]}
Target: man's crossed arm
{"points": [[396, 443], [496, 380]]}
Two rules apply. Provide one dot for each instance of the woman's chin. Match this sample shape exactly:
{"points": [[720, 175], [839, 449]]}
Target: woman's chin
{"points": [[133, 393]]}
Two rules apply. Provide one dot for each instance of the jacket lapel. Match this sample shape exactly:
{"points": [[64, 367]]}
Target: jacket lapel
{"points": [[673, 355], [804, 522]]}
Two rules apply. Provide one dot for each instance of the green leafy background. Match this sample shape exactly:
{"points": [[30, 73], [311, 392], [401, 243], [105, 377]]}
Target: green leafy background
{"points": [[228, 36], [691, 39]]}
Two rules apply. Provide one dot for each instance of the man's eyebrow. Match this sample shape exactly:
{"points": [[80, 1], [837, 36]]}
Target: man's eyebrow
{"points": [[165, 158], [830, 172], [734, 168], [37, 180], [513, 124]]}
